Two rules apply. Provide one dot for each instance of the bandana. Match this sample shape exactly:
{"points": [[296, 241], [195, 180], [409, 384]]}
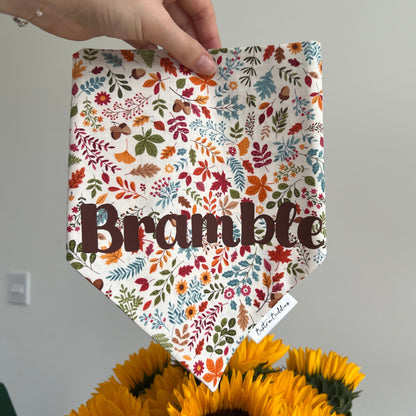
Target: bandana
{"points": [[196, 202]]}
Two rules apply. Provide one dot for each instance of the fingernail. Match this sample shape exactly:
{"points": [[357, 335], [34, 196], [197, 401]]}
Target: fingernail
{"points": [[205, 65]]}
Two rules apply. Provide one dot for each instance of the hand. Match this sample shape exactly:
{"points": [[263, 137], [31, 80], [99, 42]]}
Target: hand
{"points": [[185, 28]]}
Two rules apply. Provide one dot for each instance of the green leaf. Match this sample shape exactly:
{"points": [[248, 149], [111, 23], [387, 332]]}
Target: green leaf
{"points": [[231, 323], [192, 156], [276, 195], [209, 348], [151, 149], [283, 186], [215, 338], [79, 247], [219, 351], [156, 138], [84, 257], [140, 147], [310, 180], [147, 55], [74, 110], [234, 194], [223, 322], [270, 205], [93, 256], [71, 245], [229, 340], [69, 256], [76, 265], [296, 192], [289, 193], [180, 83]]}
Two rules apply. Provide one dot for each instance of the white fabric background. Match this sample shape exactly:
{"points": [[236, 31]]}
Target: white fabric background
{"points": [[358, 303]]}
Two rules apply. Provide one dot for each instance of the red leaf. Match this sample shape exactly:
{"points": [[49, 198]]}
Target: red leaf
{"points": [[144, 284], [268, 52], [185, 270], [195, 110], [248, 166], [183, 175], [308, 80], [169, 66], [147, 304], [200, 186], [159, 125], [203, 306], [220, 183], [200, 345], [74, 89], [280, 255], [206, 112], [219, 60], [267, 265], [269, 111], [186, 213], [260, 294], [256, 303], [262, 118], [294, 62], [187, 92], [295, 128], [105, 177]]}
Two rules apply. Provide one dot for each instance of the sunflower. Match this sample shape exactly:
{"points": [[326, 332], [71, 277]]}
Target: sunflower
{"points": [[205, 277], [330, 374], [120, 404], [190, 312], [236, 395], [162, 389], [139, 371], [295, 47], [181, 287], [250, 355]]}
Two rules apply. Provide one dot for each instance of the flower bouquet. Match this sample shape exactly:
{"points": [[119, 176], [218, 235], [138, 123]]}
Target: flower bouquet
{"points": [[149, 383]]}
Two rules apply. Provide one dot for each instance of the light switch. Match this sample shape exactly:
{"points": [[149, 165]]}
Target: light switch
{"points": [[19, 288]]}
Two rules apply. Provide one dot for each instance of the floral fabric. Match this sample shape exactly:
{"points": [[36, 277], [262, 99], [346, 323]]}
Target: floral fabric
{"points": [[195, 202]]}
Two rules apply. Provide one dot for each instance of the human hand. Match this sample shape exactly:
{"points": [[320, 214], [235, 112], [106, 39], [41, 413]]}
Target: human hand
{"points": [[185, 28]]}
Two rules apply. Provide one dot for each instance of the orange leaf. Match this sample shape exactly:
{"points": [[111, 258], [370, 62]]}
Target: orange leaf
{"points": [[202, 99], [187, 357], [113, 257], [119, 180], [208, 377], [125, 157], [77, 69], [196, 81], [149, 83], [153, 268], [101, 199], [159, 125], [243, 146], [267, 281], [264, 105], [210, 365], [167, 152], [139, 121], [128, 55]]}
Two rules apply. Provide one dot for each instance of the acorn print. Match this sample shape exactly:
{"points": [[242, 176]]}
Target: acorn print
{"points": [[137, 73], [182, 105], [274, 298], [284, 93], [116, 131]]}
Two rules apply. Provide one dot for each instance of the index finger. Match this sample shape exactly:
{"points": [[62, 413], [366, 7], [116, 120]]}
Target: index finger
{"points": [[202, 15]]}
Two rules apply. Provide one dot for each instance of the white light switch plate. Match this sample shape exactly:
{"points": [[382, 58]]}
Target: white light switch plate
{"points": [[19, 288]]}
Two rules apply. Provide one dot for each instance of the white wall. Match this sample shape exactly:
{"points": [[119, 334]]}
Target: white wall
{"points": [[359, 303]]}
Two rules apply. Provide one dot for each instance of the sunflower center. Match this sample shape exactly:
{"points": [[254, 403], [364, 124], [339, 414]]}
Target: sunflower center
{"points": [[229, 412]]}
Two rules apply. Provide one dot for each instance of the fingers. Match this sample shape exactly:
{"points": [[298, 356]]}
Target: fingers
{"points": [[163, 31], [181, 18], [202, 15]]}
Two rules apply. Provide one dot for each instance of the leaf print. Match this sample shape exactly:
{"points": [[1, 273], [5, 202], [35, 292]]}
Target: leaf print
{"points": [[148, 56], [289, 75], [92, 85], [147, 143], [169, 66], [317, 98], [259, 186], [156, 82], [295, 128], [130, 108], [168, 152], [204, 81], [128, 55], [128, 190], [215, 371], [178, 126], [139, 121], [261, 155], [147, 170], [265, 86], [243, 317], [279, 55], [78, 69], [268, 52], [112, 59], [113, 257], [209, 149], [76, 178], [220, 183], [280, 255]]}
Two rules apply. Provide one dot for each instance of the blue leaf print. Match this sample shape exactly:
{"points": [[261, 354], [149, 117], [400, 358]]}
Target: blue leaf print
{"points": [[93, 84], [265, 86], [312, 50], [112, 59], [127, 272], [238, 171]]}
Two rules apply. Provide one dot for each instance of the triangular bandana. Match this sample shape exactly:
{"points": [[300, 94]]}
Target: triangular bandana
{"points": [[196, 202]]}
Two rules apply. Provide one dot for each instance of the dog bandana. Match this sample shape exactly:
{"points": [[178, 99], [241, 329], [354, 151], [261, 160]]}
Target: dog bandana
{"points": [[196, 202]]}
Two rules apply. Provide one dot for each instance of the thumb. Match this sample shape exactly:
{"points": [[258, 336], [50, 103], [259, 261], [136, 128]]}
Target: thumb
{"points": [[187, 50]]}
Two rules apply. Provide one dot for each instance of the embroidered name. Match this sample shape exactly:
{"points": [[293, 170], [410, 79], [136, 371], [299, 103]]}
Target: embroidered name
{"points": [[307, 228]]}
